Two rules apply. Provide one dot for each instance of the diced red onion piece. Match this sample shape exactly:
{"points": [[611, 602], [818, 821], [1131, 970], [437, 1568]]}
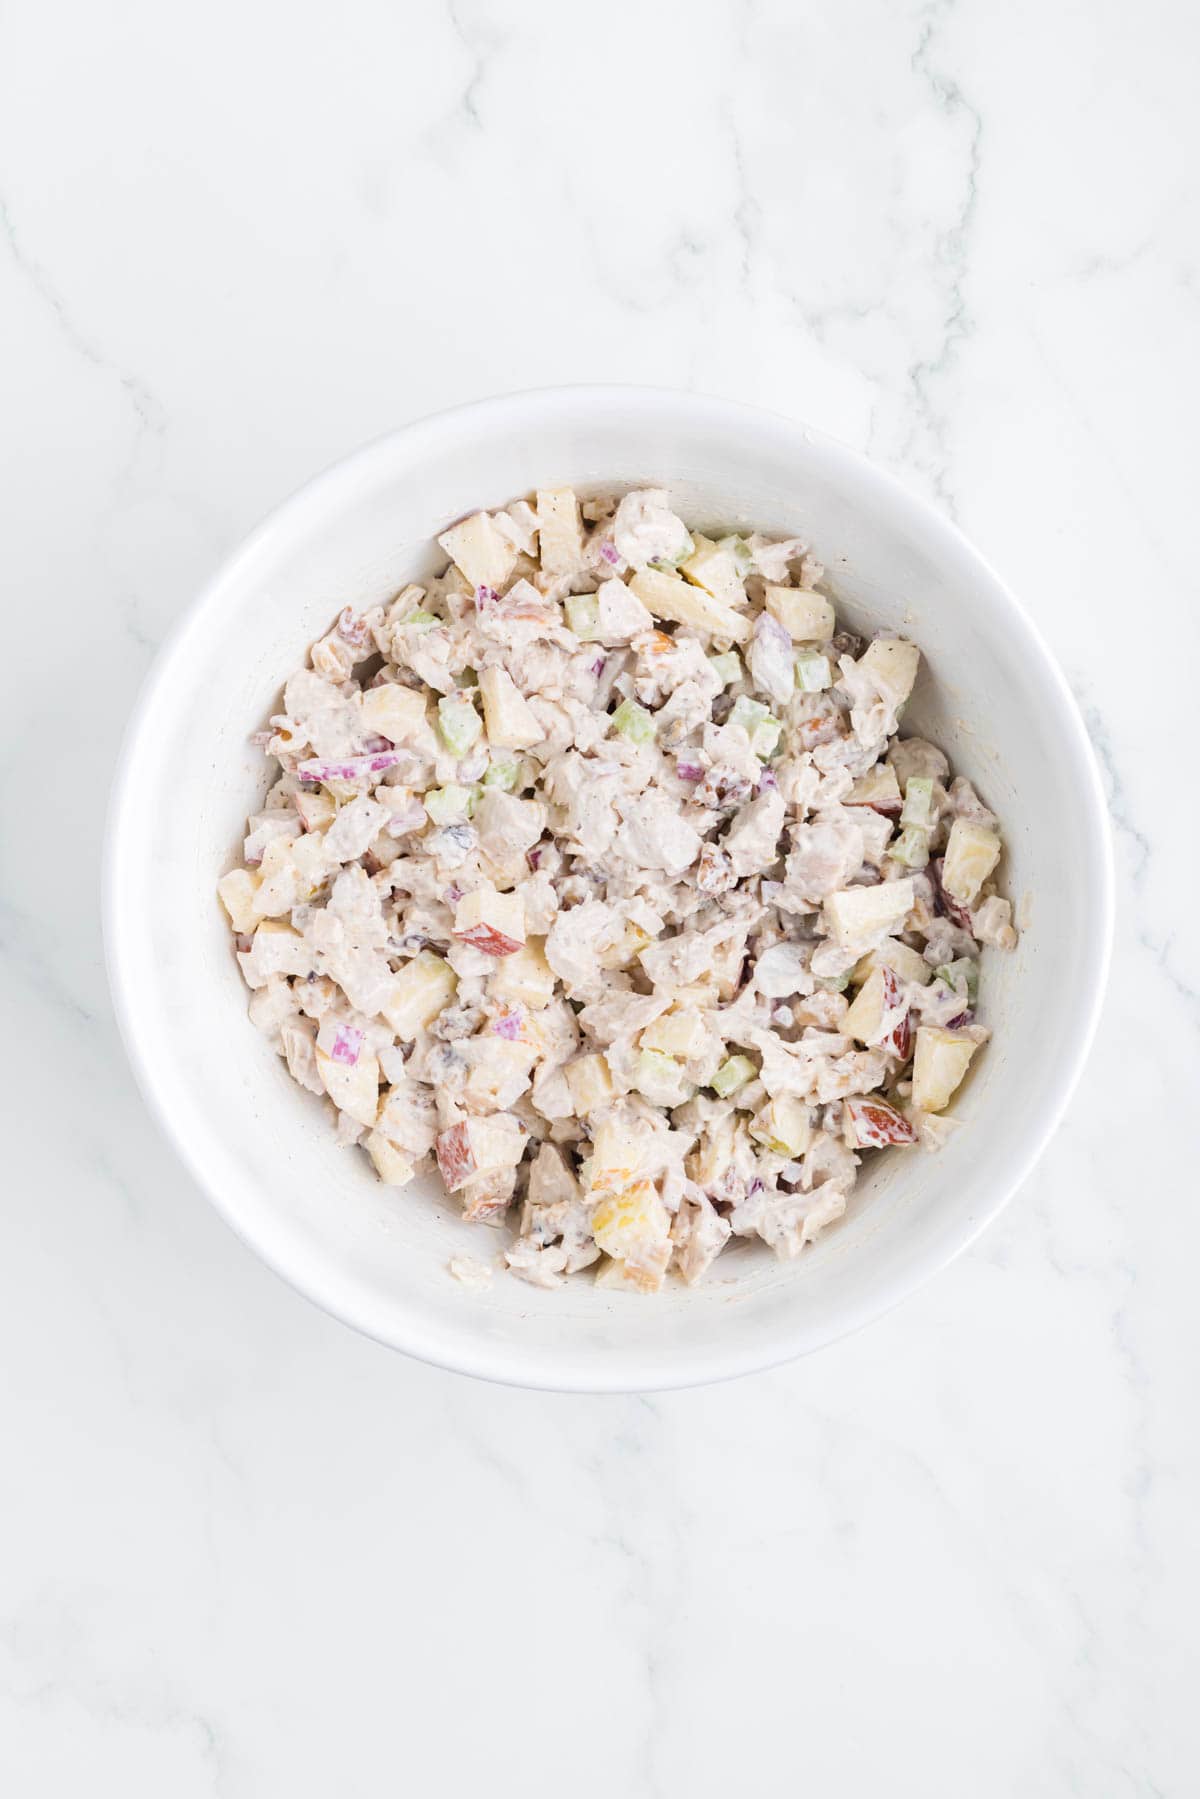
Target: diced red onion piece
{"points": [[346, 1044]]}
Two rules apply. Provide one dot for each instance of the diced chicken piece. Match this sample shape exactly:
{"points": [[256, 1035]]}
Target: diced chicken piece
{"points": [[913, 756], [806, 617], [941, 1060], [752, 842], [510, 720], [644, 529], [481, 551], [422, 989], [478, 1147], [507, 827], [493, 922], [560, 530], [356, 823], [276, 949], [991, 922], [827, 852], [620, 615], [653, 835], [699, 1233], [972, 852], [670, 597], [856, 916]]}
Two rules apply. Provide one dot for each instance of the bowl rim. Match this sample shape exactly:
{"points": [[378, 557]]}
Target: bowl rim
{"points": [[463, 1354]]}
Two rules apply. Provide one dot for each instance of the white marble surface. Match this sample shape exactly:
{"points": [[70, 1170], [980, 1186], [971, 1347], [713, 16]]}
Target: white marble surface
{"points": [[247, 1554]]}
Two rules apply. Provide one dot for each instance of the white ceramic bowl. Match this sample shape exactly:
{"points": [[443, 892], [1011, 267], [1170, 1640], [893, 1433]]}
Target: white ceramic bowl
{"points": [[990, 694]]}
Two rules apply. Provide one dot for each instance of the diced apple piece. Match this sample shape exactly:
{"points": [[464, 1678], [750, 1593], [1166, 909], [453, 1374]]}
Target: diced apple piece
{"points": [[560, 531], [972, 852], [590, 1083], [670, 597], [316, 807], [480, 551], [807, 617], [236, 892], [877, 996], [352, 1086], [873, 1124], [879, 789], [634, 1227], [501, 1075], [494, 922], [908, 963], [392, 1165], [940, 1063], [477, 1147], [892, 662], [661, 1079], [858, 914], [784, 1125], [419, 993], [511, 721], [676, 1034], [525, 977], [618, 1152], [397, 713], [713, 566], [878, 1016]]}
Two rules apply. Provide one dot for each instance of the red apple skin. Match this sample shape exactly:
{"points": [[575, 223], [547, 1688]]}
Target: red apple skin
{"points": [[876, 1124]]}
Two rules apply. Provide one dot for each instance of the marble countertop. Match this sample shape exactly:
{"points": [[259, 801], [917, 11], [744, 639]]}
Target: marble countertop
{"points": [[246, 1553]]}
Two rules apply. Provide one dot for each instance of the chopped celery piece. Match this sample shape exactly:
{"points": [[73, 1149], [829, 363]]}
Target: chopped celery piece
{"points": [[747, 713], [964, 973], [583, 615], [502, 773], [727, 668], [634, 722], [813, 673], [733, 1073], [739, 549], [918, 802], [834, 983], [419, 620], [911, 848], [764, 738], [448, 805], [460, 724], [658, 1077]]}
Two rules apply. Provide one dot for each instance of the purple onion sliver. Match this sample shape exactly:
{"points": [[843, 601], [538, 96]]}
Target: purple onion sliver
{"points": [[598, 665], [766, 781], [485, 596], [508, 1025], [964, 1018], [609, 552], [689, 771], [534, 858]]}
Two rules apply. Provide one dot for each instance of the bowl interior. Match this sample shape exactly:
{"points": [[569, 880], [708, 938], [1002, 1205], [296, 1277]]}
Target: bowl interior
{"points": [[988, 694]]}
